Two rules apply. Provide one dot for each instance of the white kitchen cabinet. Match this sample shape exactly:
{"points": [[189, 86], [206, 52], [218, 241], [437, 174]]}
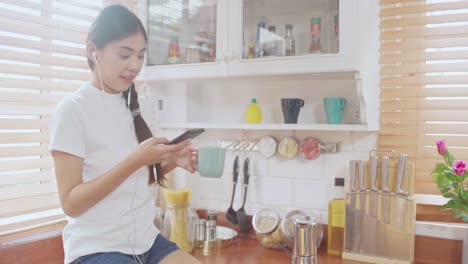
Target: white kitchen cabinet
{"points": [[215, 94], [232, 26]]}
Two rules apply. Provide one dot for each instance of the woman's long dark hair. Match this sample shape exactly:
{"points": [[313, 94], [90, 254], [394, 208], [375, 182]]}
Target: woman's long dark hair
{"points": [[113, 23]]}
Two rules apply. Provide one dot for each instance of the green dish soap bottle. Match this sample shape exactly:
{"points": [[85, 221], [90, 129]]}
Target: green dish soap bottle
{"points": [[253, 114]]}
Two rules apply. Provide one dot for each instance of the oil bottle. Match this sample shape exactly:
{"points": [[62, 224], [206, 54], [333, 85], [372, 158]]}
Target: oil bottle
{"points": [[336, 220]]}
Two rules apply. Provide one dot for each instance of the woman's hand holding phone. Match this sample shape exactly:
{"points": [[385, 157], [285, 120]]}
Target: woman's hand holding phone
{"points": [[156, 150]]}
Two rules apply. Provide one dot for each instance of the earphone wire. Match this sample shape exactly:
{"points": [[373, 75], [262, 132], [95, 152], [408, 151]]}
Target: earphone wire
{"points": [[135, 257]]}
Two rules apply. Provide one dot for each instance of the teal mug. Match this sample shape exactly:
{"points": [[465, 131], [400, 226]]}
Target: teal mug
{"points": [[334, 109], [211, 161]]}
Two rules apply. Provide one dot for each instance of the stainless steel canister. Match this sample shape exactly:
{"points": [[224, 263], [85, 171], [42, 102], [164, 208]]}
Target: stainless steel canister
{"points": [[200, 229], [305, 248]]}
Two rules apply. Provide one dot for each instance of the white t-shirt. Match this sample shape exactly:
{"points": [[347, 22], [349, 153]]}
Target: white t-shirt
{"points": [[98, 127]]}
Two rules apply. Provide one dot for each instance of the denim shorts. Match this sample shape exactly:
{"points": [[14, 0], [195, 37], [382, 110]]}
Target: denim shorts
{"points": [[159, 250]]}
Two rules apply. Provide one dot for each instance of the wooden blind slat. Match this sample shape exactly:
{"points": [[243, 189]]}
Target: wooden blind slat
{"points": [[42, 46], [422, 8], [80, 4], [419, 104], [423, 32], [421, 92], [25, 178], [421, 140], [26, 109], [422, 19], [18, 138], [28, 205], [30, 164], [30, 98], [26, 190], [421, 67], [43, 85], [8, 123], [421, 79], [22, 151], [42, 20], [43, 72], [423, 43], [43, 59], [422, 56], [425, 116], [422, 128], [28, 28]]}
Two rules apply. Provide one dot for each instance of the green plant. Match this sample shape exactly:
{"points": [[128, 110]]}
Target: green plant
{"points": [[450, 177]]}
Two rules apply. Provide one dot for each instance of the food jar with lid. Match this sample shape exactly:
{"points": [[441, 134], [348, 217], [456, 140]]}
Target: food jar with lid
{"points": [[267, 225]]}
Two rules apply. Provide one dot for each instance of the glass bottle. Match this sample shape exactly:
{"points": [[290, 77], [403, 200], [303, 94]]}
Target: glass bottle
{"points": [[336, 220], [315, 31], [337, 32], [289, 43], [173, 56], [251, 54], [179, 225], [259, 44], [272, 49]]}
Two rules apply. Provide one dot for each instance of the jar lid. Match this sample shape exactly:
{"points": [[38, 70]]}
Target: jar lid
{"points": [[265, 221], [316, 20], [288, 223], [288, 148], [267, 146]]}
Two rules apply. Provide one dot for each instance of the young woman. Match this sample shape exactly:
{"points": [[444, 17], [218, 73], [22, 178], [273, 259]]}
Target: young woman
{"points": [[106, 160]]}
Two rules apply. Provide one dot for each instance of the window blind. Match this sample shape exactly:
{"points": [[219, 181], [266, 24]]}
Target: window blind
{"points": [[42, 59], [424, 82]]}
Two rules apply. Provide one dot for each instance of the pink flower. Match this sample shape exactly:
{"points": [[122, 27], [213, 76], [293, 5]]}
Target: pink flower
{"points": [[441, 147], [459, 167]]}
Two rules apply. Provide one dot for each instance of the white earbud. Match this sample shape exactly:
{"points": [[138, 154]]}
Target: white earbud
{"points": [[93, 54]]}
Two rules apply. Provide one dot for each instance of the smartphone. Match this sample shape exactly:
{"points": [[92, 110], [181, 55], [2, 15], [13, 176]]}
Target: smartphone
{"points": [[192, 133]]}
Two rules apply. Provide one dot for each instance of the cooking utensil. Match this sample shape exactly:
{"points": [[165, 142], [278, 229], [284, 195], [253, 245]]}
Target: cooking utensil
{"points": [[401, 196], [242, 218], [384, 220], [231, 215], [350, 214], [370, 219], [362, 208]]}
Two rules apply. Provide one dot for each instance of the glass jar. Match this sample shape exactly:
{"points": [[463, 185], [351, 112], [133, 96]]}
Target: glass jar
{"points": [[287, 225], [267, 225], [179, 225]]}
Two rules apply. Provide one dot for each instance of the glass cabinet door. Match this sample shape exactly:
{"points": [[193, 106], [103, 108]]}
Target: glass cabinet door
{"points": [[181, 31], [274, 28]]}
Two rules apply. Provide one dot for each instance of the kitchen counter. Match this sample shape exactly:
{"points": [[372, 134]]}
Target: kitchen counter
{"points": [[250, 251]]}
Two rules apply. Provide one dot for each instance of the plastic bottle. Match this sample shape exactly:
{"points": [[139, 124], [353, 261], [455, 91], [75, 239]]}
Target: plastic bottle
{"points": [[253, 113], [336, 220], [259, 44], [289, 42]]}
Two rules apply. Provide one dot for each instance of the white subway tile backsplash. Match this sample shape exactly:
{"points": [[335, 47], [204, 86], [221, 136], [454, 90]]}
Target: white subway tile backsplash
{"points": [[364, 141], [282, 184], [268, 190], [312, 194], [297, 168]]}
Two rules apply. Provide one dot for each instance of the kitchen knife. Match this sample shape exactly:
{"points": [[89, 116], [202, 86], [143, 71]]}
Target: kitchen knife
{"points": [[370, 219], [362, 208], [401, 197], [350, 213], [383, 248]]}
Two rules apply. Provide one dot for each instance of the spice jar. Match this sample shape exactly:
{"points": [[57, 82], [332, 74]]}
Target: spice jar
{"points": [[266, 223]]}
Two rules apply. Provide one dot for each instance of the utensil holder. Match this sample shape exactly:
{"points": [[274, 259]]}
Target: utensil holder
{"points": [[388, 236]]}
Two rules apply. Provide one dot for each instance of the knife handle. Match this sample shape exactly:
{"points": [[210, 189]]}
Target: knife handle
{"points": [[385, 174], [352, 175], [401, 173], [362, 186], [374, 163]]}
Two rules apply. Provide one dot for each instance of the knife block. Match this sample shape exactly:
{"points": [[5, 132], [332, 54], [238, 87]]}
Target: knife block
{"points": [[385, 237]]}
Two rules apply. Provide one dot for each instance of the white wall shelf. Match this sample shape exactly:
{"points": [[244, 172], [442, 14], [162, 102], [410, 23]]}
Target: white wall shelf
{"points": [[317, 127]]}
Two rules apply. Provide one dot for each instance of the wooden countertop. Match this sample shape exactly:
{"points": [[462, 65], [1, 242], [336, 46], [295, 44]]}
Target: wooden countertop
{"points": [[250, 251]]}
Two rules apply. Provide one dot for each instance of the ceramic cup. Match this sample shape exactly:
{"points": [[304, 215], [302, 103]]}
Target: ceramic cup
{"points": [[291, 108], [211, 161], [334, 109]]}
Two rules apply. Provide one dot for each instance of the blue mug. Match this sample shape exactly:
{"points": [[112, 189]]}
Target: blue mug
{"points": [[334, 109], [211, 161]]}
